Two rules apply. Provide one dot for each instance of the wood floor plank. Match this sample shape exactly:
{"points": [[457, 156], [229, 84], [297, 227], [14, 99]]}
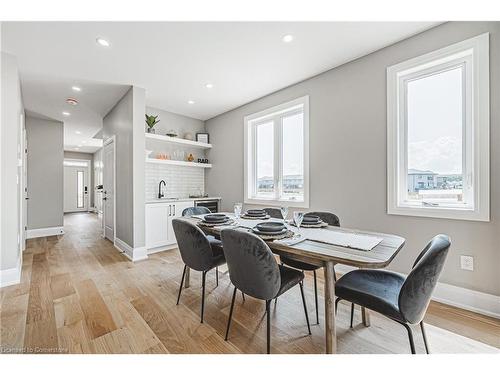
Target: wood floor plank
{"points": [[78, 294], [97, 316]]}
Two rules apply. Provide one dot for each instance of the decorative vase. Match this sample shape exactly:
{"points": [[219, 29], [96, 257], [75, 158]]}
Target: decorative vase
{"points": [[151, 130], [190, 157]]}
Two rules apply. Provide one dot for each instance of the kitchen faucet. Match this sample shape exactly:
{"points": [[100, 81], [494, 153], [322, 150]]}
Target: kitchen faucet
{"points": [[160, 193]]}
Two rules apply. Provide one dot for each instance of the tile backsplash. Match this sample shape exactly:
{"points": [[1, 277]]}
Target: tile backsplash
{"points": [[181, 181]]}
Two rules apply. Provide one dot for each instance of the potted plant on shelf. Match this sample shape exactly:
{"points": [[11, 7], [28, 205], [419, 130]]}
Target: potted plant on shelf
{"points": [[151, 121]]}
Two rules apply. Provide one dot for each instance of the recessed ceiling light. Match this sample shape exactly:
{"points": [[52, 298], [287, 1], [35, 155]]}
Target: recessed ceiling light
{"points": [[76, 148], [76, 88], [287, 38], [66, 113], [72, 101], [190, 101], [84, 141], [78, 132], [102, 42], [209, 86]]}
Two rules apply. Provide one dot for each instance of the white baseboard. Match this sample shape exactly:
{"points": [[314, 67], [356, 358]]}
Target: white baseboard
{"points": [[134, 254], [44, 232], [159, 249], [11, 276], [467, 299]]}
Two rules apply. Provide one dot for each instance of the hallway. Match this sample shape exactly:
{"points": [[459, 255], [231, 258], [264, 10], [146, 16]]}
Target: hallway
{"points": [[78, 294]]}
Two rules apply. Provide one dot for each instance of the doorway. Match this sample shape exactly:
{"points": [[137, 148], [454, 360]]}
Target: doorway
{"points": [[108, 193], [76, 185]]}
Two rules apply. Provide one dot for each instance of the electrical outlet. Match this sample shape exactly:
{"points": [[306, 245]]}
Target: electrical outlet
{"points": [[467, 262]]}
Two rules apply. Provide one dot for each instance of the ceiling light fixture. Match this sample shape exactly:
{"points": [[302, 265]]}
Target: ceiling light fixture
{"points": [[102, 42], [72, 101], [78, 132], [190, 101], [76, 88], [84, 142], [287, 38], [209, 86], [66, 113]]}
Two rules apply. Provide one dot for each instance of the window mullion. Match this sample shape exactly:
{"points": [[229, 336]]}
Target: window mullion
{"points": [[278, 164]]}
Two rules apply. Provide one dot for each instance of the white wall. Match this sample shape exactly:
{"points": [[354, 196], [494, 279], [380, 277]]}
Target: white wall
{"points": [[45, 173], [173, 121], [126, 122], [348, 155], [11, 173]]}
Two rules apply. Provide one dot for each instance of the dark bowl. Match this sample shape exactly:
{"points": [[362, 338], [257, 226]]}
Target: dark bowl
{"points": [[311, 219], [270, 227], [256, 212], [215, 217]]}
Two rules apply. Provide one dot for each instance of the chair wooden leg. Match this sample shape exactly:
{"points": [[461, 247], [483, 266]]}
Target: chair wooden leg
{"points": [[316, 296], [305, 306], [352, 313], [410, 337], [268, 316], [230, 314], [182, 282], [204, 274], [217, 276], [425, 337]]}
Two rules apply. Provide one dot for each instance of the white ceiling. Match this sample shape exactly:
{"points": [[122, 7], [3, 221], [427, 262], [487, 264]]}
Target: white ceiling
{"points": [[46, 95], [174, 60]]}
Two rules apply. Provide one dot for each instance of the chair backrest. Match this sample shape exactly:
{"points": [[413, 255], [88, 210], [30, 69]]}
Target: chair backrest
{"points": [[194, 247], [252, 266], [327, 217], [199, 210], [416, 291], [275, 213]]}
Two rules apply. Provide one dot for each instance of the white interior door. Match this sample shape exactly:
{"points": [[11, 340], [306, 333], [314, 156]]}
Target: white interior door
{"points": [[76, 187], [108, 194]]}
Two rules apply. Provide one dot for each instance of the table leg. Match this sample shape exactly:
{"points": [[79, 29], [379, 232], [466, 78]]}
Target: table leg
{"points": [[186, 280], [365, 316], [330, 334]]}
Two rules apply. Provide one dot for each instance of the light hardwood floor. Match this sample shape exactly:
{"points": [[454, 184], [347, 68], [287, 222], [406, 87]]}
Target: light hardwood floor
{"points": [[78, 294]]}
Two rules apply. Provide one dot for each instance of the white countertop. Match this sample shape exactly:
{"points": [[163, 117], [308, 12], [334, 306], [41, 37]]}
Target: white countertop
{"points": [[170, 200]]}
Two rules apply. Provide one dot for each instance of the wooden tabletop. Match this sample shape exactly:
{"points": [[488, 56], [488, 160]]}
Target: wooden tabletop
{"points": [[318, 253]]}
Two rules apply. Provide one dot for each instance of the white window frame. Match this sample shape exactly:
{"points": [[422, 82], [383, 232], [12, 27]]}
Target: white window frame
{"points": [[473, 53], [250, 123]]}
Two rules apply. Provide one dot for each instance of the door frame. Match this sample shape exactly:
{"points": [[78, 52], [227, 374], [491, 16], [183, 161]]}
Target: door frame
{"points": [[89, 163], [111, 139]]}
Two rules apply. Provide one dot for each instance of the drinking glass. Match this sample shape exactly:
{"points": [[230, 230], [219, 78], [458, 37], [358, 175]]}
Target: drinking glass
{"points": [[237, 211], [284, 213], [297, 219]]}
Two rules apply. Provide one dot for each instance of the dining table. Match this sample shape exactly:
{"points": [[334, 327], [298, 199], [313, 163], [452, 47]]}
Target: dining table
{"points": [[325, 255]]}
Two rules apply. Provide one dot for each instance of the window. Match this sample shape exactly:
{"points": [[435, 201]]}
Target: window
{"points": [[277, 155], [79, 189], [438, 133]]}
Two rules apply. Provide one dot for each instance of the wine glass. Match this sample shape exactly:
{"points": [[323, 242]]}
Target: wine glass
{"points": [[284, 213], [237, 211], [297, 219]]}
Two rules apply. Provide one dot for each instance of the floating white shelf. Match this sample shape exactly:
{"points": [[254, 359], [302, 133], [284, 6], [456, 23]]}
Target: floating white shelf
{"points": [[176, 140], [178, 162]]}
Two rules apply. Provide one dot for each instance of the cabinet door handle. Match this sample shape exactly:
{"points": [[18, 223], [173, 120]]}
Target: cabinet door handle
{"points": [[169, 210], [174, 209]]}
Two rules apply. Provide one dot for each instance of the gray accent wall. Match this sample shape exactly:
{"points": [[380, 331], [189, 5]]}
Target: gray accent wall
{"points": [[126, 122], [348, 155], [45, 173], [10, 200], [89, 157]]}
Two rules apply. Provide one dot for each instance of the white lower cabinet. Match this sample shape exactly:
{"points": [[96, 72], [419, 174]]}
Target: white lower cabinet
{"points": [[159, 230]]}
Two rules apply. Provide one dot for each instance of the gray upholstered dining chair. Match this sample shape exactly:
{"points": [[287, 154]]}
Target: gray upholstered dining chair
{"points": [[198, 210], [402, 299], [254, 271], [197, 253], [330, 219]]}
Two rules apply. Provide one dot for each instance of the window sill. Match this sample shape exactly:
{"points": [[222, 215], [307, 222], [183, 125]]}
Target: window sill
{"points": [[277, 203], [440, 212]]}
